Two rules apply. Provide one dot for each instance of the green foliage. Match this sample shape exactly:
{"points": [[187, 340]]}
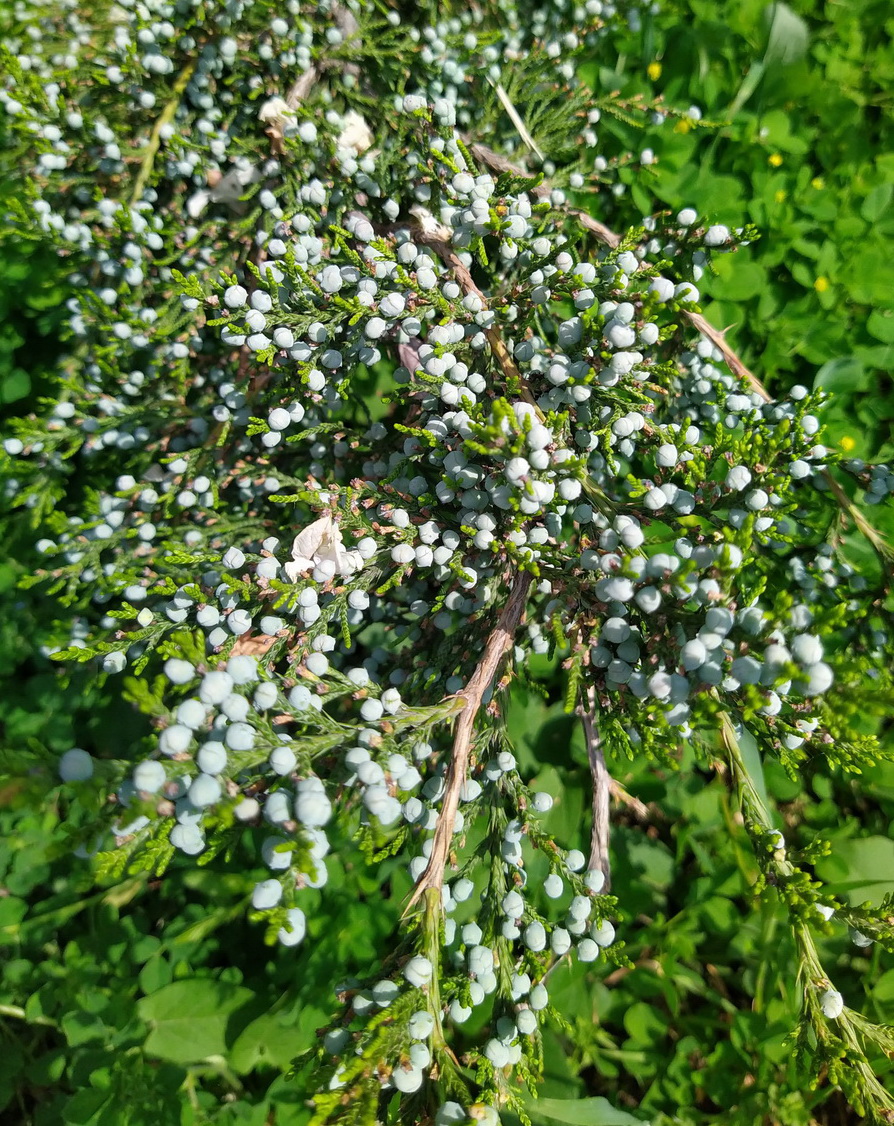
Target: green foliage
{"points": [[715, 977], [32, 293], [152, 1000], [128, 1004], [90, 977], [803, 98]]}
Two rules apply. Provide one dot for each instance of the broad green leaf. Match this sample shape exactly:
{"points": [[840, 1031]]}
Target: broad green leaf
{"points": [[15, 385], [580, 1112], [776, 130], [12, 1064], [861, 869], [271, 1040], [876, 355], [644, 1023], [189, 1018], [86, 1107], [781, 786], [787, 36], [80, 1028], [871, 280], [737, 279], [881, 325], [722, 197], [843, 375], [883, 990], [877, 202], [723, 915], [155, 974], [651, 861], [12, 911], [287, 1097]]}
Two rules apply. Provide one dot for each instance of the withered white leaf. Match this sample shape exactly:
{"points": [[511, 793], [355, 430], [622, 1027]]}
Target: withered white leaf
{"points": [[321, 543]]}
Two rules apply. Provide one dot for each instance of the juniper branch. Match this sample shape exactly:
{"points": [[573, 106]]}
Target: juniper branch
{"points": [[703, 326], [811, 973], [497, 645], [543, 190], [467, 283], [613, 240], [164, 118]]}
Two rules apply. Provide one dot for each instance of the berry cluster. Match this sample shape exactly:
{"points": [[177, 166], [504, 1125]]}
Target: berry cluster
{"points": [[371, 416]]}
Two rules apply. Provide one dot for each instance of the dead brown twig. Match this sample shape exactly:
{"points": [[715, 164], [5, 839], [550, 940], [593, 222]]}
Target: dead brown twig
{"points": [[604, 789], [304, 83], [638, 808], [497, 645]]}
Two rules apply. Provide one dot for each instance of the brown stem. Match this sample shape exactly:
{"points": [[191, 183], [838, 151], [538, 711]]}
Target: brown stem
{"points": [[305, 82], [638, 808], [733, 362], [602, 789], [497, 645], [880, 545], [302, 86]]}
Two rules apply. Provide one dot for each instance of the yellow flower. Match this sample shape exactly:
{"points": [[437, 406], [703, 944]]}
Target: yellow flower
{"points": [[654, 71], [684, 125], [780, 196], [817, 182], [775, 159], [821, 285], [847, 443]]}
